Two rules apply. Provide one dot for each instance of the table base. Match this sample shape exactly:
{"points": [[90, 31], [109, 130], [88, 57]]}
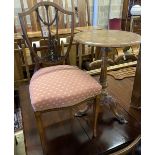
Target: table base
{"points": [[105, 97], [111, 102]]}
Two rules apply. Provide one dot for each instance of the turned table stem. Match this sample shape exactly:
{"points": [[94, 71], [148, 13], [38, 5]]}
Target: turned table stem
{"points": [[107, 99], [103, 74]]}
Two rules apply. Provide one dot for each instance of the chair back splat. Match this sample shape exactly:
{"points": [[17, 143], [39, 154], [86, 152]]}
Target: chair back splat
{"points": [[49, 34]]}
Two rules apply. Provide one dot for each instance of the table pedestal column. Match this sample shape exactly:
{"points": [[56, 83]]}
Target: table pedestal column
{"points": [[106, 98]]}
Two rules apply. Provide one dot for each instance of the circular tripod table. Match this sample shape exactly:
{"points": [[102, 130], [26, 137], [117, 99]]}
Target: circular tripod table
{"points": [[106, 39]]}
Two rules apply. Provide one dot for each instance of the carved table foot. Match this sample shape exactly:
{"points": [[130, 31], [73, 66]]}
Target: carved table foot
{"points": [[135, 107], [107, 99], [84, 111]]}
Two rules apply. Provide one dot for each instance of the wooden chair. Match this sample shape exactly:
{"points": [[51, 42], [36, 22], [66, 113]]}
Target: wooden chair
{"points": [[58, 86]]}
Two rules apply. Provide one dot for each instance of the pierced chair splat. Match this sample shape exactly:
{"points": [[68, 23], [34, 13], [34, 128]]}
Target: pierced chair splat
{"points": [[51, 52], [57, 86]]}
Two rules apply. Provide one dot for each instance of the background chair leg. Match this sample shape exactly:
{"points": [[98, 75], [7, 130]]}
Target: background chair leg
{"points": [[41, 132], [96, 112]]}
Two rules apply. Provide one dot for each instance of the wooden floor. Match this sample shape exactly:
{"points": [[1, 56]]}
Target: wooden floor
{"points": [[73, 136]]}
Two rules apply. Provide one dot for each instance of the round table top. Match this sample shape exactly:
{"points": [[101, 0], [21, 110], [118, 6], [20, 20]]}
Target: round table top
{"points": [[108, 38]]}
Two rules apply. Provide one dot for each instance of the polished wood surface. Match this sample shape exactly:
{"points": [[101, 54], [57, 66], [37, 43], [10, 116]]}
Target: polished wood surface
{"points": [[108, 38], [72, 136]]}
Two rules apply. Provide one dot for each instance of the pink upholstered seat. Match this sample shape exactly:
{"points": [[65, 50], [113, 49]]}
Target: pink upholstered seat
{"points": [[61, 86]]}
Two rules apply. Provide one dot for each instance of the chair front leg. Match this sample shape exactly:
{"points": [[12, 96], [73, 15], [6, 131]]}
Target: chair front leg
{"points": [[41, 132], [96, 107]]}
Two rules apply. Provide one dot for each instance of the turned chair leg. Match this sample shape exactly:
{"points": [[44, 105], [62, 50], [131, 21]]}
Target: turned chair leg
{"points": [[41, 132], [96, 112]]}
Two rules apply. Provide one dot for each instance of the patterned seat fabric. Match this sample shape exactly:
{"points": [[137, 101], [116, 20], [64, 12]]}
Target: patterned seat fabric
{"points": [[61, 86]]}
